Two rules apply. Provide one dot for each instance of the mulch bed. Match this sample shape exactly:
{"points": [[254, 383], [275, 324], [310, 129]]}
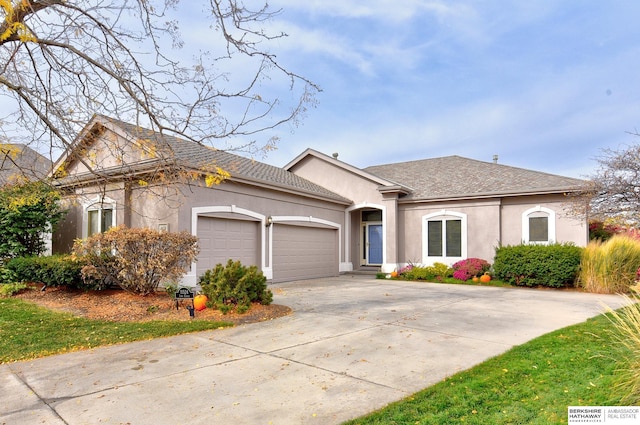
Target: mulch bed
{"points": [[121, 306]]}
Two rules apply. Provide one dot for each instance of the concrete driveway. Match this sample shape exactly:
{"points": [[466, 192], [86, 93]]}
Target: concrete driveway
{"points": [[352, 345]]}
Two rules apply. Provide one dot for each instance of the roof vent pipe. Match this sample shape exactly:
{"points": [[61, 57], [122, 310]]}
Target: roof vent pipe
{"points": [[335, 155], [495, 159]]}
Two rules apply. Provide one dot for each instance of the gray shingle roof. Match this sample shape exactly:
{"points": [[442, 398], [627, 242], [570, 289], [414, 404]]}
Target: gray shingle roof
{"points": [[200, 157], [458, 177], [21, 160]]}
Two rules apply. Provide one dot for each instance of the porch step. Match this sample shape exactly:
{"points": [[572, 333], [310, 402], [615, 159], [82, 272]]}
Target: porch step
{"points": [[365, 271]]}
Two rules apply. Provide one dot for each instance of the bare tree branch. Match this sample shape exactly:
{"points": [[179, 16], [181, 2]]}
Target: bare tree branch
{"points": [[62, 61], [616, 186]]}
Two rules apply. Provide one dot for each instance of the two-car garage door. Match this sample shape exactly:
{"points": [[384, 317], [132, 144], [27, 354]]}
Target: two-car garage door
{"points": [[299, 252]]}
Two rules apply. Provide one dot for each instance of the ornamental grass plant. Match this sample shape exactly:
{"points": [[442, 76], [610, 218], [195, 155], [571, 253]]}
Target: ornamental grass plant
{"points": [[626, 332], [610, 267]]}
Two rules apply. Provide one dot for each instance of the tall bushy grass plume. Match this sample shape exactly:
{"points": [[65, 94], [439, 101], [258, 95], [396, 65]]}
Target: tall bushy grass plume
{"points": [[626, 329], [610, 267]]}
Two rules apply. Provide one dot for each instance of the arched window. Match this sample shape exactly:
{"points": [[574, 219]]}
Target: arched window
{"points": [[539, 226], [99, 216], [444, 237]]}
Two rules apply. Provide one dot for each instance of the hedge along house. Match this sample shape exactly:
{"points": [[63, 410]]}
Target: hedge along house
{"points": [[315, 217], [444, 209], [117, 173]]}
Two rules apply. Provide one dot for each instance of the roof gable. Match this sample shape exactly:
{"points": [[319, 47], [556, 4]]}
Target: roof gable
{"points": [[363, 173], [137, 149], [459, 177], [105, 144]]}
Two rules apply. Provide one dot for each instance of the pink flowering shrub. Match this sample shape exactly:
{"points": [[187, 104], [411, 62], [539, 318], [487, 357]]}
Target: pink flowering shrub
{"points": [[466, 269], [406, 269]]}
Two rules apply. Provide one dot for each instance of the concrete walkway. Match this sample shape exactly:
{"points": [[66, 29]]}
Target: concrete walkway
{"points": [[353, 345]]}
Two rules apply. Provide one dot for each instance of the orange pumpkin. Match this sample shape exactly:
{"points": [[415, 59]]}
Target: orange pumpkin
{"points": [[476, 279], [394, 274], [200, 302], [485, 278]]}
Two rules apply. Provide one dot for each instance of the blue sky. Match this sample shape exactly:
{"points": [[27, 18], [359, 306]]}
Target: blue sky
{"points": [[546, 85]]}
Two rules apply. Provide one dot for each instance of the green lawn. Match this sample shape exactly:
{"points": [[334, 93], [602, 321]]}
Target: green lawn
{"points": [[533, 383], [28, 331]]}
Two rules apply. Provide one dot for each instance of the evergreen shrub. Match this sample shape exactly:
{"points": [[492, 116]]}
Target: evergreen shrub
{"points": [[55, 270], [235, 286], [555, 265], [28, 210]]}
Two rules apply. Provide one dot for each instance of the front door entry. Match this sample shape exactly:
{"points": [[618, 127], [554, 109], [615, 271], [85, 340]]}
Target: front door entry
{"points": [[373, 253]]}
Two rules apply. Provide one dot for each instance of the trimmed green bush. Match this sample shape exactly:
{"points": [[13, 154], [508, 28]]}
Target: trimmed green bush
{"points": [[555, 266], [235, 286], [55, 270]]}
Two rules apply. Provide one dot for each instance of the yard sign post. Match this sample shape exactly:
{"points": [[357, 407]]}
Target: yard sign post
{"points": [[185, 294]]}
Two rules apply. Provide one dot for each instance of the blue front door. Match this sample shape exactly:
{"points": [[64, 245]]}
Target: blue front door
{"points": [[374, 244]]}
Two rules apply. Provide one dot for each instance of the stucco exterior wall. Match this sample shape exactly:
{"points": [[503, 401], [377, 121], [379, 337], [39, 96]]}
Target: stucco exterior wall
{"points": [[260, 200], [152, 206], [568, 227], [338, 180], [74, 224], [490, 223], [111, 150], [483, 230]]}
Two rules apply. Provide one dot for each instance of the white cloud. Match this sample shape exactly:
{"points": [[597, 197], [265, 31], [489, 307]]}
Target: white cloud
{"points": [[377, 9], [313, 42]]}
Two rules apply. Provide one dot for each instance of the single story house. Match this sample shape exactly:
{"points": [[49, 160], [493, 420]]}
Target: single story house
{"points": [[315, 217]]}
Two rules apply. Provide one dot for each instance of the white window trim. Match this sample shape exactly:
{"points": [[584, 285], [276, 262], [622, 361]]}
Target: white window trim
{"points": [[190, 279], [96, 204], [444, 215], [552, 225], [299, 219]]}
